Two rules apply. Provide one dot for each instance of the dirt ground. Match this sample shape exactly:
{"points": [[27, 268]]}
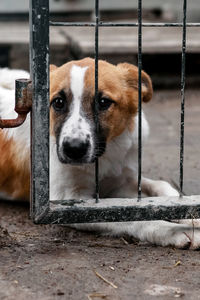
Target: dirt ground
{"points": [[52, 262]]}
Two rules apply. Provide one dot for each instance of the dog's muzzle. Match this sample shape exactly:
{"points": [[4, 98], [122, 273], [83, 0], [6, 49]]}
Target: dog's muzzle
{"points": [[75, 151]]}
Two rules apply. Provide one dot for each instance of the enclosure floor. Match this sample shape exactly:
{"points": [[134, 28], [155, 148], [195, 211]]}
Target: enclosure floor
{"points": [[54, 262]]}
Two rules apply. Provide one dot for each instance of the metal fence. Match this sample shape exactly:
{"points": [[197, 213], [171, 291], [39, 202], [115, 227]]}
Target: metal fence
{"points": [[45, 210]]}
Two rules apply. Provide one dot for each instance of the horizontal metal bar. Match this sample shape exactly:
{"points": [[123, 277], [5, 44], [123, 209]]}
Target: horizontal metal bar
{"points": [[119, 210], [114, 24]]}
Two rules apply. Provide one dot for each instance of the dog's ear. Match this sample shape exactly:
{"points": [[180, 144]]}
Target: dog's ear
{"points": [[52, 68], [130, 73]]}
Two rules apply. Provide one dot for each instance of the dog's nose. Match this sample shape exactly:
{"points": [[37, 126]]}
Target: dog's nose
{"points": [[75, 149]]}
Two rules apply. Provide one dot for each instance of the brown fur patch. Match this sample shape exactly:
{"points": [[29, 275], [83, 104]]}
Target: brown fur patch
{"points": [[116, 83], [14, 169], [52, 68], [59, 80], [131, 77]]}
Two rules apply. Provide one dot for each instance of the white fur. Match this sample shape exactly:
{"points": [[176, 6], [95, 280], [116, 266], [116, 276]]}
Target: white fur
{"points": [[8, 77], [118, 169], [76, 125]]}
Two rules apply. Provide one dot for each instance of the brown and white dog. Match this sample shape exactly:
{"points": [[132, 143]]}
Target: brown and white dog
{"points": [[74, 144]]}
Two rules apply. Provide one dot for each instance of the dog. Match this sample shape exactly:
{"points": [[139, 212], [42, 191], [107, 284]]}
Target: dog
{"points": [[75, 144]]}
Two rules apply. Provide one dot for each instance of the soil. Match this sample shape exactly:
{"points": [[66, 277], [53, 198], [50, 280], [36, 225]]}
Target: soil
{"points": [[53, 262]]}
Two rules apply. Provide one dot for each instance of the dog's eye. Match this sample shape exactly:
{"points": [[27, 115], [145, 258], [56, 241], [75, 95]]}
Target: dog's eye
{"points": [[104, 103], [59, 104]]}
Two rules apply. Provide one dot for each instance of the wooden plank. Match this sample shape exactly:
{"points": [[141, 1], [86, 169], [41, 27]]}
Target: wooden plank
{"points": [[124, 40], [111, 40]]}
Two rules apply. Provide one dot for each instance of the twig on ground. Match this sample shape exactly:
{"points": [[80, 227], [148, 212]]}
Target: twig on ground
{"points": [[96, 295], [124, 241], [105, 280], [178, 263]]}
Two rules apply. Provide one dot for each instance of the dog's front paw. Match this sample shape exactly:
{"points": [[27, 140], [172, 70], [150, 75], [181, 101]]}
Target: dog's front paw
{"points": [[158, 188], [163, 188], [184, 238], [194, 238]]}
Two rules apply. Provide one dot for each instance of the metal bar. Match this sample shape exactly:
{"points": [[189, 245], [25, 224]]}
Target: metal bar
{"points": [[116, 24], [182, 96], [139, 98], [23, 103], [96, 93], [39, 63], [120, 210]]}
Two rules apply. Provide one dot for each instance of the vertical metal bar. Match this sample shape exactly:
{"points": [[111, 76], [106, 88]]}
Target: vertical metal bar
{"points": [[39, 66], [96, 92], [182, 96], [139, 97]]}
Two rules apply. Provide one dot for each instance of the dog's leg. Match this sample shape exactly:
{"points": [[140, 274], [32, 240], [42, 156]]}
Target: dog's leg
{"points": [[155, 232], [152, 188], [157, 188]]}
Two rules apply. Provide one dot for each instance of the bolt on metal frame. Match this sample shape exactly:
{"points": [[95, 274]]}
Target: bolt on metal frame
{"points": [[45, 210]]}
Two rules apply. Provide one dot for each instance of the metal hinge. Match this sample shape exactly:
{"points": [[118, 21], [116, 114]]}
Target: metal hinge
{"points": [[23, 103]]}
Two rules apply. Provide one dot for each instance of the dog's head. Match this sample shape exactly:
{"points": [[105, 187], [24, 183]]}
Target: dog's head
{"points": [[72, 106]]}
